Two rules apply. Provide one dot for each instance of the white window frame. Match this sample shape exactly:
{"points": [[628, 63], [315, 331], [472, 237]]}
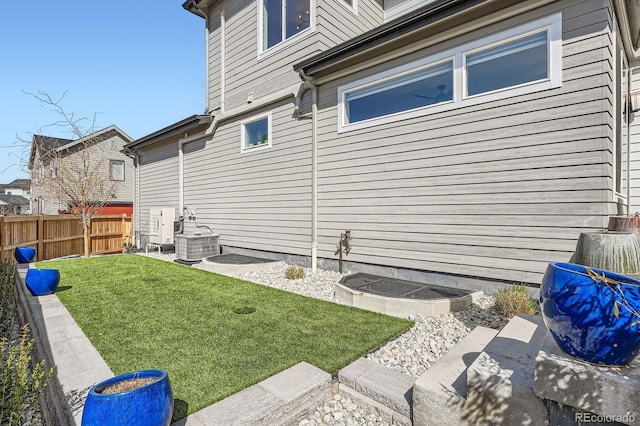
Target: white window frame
{"points": [[351, 8], [111, 163], [264, 53], [253, 119], [551, 23]]}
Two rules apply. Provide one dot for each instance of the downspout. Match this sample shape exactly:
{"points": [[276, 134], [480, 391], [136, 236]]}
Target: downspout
{"points": [[136, 195], [314, 165], [223, 64], [181, 174]]}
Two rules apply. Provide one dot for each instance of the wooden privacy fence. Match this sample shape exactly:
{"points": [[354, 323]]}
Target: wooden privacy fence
{"points": [[59, 236]]}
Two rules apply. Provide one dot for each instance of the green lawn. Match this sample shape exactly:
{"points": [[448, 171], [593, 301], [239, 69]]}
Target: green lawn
{"points": [[143, 313]]}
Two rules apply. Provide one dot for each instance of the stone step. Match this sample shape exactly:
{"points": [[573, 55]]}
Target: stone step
{"points": [[282, 399], [381, 384], [500, 380], [439, 394]]}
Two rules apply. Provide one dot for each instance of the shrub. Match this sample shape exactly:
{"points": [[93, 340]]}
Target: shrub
{"points": [[7, 302], [22, 381], [511, 300], [294, 272], [21, 384]]}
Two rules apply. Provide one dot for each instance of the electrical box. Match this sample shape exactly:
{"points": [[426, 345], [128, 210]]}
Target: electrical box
{"points": [[161, 227]]}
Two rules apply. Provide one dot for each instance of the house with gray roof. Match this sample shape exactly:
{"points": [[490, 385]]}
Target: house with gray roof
{"points": [[96, 156], [457, 138]]}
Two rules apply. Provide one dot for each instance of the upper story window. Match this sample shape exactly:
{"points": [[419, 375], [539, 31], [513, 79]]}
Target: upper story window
{"points": [[352, 5], [116, 170], [283, 20], [256, 133], [521, 60]]}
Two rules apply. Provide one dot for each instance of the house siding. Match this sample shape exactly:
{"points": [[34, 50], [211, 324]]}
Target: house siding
{"points": [[257, 200], [495, 190], [160, 182], [246, 75], [634, 157]]}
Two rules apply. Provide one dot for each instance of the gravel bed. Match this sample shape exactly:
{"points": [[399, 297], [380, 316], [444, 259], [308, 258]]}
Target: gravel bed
{"points": [[411, 353]]}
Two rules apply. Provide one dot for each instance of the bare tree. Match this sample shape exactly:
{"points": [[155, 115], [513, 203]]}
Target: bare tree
{"points": [[74, 171]]}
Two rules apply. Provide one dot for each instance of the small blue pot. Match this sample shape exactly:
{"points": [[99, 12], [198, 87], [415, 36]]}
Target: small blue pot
{"points": [[578, 309], [24, 254], [149, 405], [41, 282]]}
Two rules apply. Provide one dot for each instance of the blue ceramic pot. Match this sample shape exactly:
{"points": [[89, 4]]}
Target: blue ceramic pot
{"points": [[579, 310], [149, 405], [41, 282], [24, 254]]}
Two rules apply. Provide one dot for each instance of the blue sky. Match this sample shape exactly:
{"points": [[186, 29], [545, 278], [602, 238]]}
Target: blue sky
{"points": [[137, 64]]}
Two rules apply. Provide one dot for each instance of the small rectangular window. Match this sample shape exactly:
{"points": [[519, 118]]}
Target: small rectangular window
{"points": [[520, 61], [422, 88], [116, 170], [256, 133]]}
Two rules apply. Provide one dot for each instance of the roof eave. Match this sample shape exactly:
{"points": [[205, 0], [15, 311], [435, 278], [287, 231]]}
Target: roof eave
{"points": [[174, 129], [406, 24]]}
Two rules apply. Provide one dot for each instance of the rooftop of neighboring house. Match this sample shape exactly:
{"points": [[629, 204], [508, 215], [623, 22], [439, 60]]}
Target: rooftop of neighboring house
{"points": [[14, 200], [24, 184], [43, 144]]}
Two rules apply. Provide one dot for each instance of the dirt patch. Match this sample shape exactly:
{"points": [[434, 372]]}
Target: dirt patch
{"points": [[127, 385]]}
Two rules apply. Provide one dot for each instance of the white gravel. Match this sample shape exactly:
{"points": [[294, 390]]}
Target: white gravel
{"points": [[412, 353]]}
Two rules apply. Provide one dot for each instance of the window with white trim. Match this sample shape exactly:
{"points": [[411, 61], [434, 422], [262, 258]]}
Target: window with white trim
{"points": [[427, 86], [282, 20], [116, 170], [256, 133], [520, 60], [352, 5]]}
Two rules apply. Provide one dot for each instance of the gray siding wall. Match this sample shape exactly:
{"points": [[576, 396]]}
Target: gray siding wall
{"points": [[158, 182], [259, 200], [247, 75], [634, 168], [494, 190]]}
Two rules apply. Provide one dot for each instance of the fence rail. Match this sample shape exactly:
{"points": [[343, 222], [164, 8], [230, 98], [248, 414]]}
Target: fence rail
{"points": [[61, 235]]}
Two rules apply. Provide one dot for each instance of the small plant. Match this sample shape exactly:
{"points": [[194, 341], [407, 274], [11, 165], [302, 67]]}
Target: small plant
{"points": [[511, 300], [129, 247], [294, 272]]}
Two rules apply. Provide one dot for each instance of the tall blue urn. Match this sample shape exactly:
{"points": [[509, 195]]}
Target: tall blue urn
{"points": [[149, 405], [592, 314]]}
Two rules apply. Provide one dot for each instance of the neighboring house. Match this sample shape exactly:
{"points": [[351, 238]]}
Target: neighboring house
{"points": [[18, 187], [467, 138], [106, 163], [13, 204]]}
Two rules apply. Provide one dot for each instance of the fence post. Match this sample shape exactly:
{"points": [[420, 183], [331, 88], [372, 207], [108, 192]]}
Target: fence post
{"points": [[40, 236], [3, 235]]}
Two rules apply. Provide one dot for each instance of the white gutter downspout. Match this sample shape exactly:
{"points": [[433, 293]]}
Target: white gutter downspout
{"points": [[223, 64], [136, 196], [314, 164], [181, 174]]}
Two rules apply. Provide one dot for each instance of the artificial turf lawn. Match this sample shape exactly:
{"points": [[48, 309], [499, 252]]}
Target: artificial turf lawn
{"points": [[143, 313]]}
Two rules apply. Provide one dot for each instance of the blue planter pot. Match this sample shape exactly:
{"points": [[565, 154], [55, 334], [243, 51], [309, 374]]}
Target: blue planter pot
{"points": [[149, 405], [24, 254], [41, 282], [579, 311]]}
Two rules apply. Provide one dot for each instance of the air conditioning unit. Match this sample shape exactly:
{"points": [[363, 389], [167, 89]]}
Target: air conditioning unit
{"points": [[161, 225]]}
